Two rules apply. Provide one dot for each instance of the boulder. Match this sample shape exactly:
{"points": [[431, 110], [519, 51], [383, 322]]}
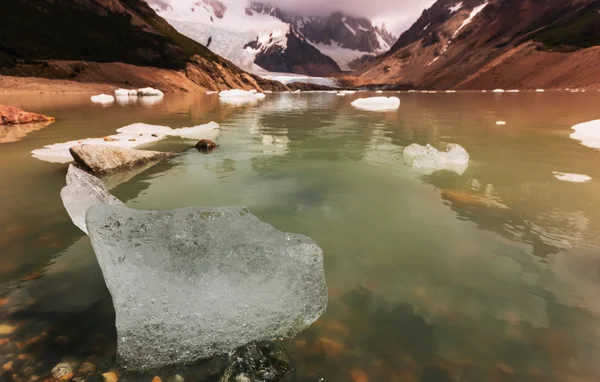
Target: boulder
{"points": [[206, 145], [100, 159], [12, 116]]}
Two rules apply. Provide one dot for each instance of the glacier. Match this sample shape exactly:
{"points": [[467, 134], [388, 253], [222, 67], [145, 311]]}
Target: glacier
{"points": [[377, 103], [427, 159], [195, 282]]}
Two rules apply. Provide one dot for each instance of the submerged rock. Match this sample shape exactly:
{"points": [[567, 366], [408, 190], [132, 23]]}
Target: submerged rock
{"points": [[196, 282], [102, 159], [266, 361], [13, 116], [81, 192]]}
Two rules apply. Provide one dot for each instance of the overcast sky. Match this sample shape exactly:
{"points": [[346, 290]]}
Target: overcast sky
{"points": [[398, 15]]}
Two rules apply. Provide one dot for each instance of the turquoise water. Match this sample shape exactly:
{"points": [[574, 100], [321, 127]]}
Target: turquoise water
{"points": [[491, 275]]}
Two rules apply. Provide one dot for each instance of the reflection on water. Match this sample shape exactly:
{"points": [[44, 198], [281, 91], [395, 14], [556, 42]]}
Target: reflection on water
{"points": [[488, 276]]}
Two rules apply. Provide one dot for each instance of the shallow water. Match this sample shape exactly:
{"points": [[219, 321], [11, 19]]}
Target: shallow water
{"points": [[492, 275]]}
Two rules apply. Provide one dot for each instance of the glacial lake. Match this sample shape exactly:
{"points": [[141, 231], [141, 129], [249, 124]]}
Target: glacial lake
{"points": [[492, 275]]}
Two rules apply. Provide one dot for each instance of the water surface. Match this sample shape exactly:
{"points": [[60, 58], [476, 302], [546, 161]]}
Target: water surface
{"points": [[491, 275]]}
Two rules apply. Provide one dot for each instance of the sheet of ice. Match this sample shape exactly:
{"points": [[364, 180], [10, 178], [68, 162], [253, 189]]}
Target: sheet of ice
{"points": [[574, 178], [377, 103], [588, 133], [130, 136], [126, 93], [195, 282], [455, 7], [81, 192], [147, 92], [498, 91], [103, 99], [450, 91], [240, 97], [512, 91], [426, 159], [288, 78]]}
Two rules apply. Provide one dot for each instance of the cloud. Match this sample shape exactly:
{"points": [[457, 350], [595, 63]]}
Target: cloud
{"points": [[398, 15]]}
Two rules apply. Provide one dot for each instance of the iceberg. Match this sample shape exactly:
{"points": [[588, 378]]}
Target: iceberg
{"points": [[427, 159], [103, 99], [130, 136], [498, 91], [346, 92], [196, 282], [240, 97], [126, 93], [588, 133], [81, 192], [146, 92], [377, 103], [573, 178]]}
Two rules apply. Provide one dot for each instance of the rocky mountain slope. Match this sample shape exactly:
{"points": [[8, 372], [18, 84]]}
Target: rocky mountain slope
{"points": [[67, 39], [478, 44], [258, 36]]}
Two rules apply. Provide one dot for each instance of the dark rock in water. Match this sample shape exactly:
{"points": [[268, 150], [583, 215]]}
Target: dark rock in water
{"points": [[100, 159], [206, 145], [12, 116], [263, 361]]}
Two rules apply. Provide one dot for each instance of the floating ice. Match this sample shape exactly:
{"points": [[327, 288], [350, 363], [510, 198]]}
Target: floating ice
{"points": [[540, 90], [240, 97], [346, 92], [377, 103], [512, 91], [427, 160], [498, 91], [146, 92], [126, 93], [129, 136], [501, 123], [103, 99], [379, 91], [196, 282], [211, 92], [81, 192], [588, 133], [450, 91], [574, 178]]}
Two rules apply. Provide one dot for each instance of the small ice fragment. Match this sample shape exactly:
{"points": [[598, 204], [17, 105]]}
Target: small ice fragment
{"points": [[379, 91], [574, 178], [210, 92], [145, 92], [126, 93], [240, 97], [377, 103], [345, 92], [81, 192], [500, 122], [498, 91], [540, 90], [427, 159], [103, 99], [512, 91], [223, 277], [450, 91], [588, 133]]}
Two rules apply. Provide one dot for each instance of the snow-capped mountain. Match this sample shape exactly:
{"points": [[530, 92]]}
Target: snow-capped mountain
{"points": [[259, 36]]}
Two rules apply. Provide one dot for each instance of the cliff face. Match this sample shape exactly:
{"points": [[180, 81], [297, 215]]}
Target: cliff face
{"points": [[103, 31], [475, 44]]}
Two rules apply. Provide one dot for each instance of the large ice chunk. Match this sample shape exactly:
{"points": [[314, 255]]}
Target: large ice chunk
{"points": [[103, 99], [588, 133], [427, 159], [196, 282], [377, 103], [240, 97], [146, 92], [81, 192]]}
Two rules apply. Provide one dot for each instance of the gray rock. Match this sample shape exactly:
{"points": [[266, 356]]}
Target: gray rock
{"points": [[100, 159], [265, 361], [62, 371]]}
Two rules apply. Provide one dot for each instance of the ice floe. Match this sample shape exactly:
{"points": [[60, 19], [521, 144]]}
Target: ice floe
{"points": [[377, 103], [573, 178], [588, 133], [149, 92], [240, 97], [540, 90], [512, 91], [129, 136], [501, 123], [103, 99], [346, 92], [498, 91], [427, 159]]}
